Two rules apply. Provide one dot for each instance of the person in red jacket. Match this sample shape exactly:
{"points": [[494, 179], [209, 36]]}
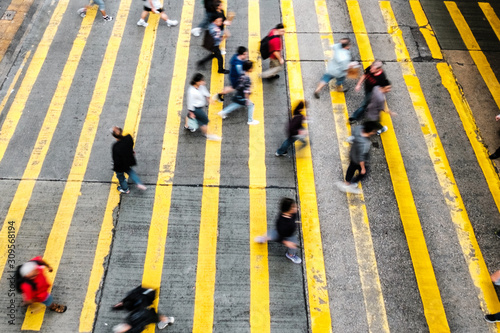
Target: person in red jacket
{"points": [[277, 62], [35, 286]]}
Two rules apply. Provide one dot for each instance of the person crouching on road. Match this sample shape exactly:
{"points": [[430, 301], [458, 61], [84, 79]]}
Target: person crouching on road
{"points": [[124, 160], [286, 224], [295, 129], [31, 281]]}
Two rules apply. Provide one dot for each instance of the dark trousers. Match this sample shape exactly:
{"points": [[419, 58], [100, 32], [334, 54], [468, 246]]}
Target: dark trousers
{"points": [[349, 175], [215, 54]]}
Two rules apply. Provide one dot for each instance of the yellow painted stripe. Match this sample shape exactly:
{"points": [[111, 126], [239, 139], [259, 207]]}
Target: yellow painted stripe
{"points": [[426, 29], [477, 55], [88, 313], [14, 81], [25, 188], [8, 28], [203, 318], [17, 107], [69, 199], [319, 301], [153, 264], [491, 16], [365, 253], [361, 35], [260, 317], [470, 248]]}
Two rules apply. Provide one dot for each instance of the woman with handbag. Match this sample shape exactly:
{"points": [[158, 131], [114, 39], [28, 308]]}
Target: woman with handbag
{"points": [[197, 98]]}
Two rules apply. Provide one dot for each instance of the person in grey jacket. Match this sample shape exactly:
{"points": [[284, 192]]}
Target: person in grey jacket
{"points": [[358, 156], [337, 66]]}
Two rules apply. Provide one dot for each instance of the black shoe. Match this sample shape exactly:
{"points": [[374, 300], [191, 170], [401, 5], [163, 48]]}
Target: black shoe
{"points": [[224, 71], [352, 120], [494, 156], [497, 233], [316, 95], [221, 97], [491, 318], [275, 77]]}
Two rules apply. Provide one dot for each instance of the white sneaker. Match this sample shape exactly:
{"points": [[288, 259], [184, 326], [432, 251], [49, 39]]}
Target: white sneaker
{"points": [[352, 188], [253, 122], [82, 12], [165, 323], [172, 23], [142, 187], [260, 239], [382, 130], [222, 51], [222, 115], [142, 23], [196, 32], [213, 137], [350, 139]]}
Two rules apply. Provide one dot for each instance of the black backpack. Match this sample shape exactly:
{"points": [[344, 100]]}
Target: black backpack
{"points": [[21, 279], [264, 46], [139, 298]]}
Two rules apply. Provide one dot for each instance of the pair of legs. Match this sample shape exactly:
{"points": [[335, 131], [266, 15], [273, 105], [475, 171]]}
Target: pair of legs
{"points": [[215, 54], [325, 79], [201, 117], [290, 243], [133, 176], [102, 9], [147, 317], [234, 106], [283, 150], [358, 114], [349, 175], [163, 16], [49, 303], [202, 26], [274, 68]]}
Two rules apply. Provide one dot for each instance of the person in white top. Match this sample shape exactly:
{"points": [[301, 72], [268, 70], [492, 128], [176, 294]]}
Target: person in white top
{"points": [[337, 66], [155, 6], [197, 98]]}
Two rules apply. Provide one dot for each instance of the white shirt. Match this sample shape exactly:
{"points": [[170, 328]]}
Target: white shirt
{"points": [[197, 98]]}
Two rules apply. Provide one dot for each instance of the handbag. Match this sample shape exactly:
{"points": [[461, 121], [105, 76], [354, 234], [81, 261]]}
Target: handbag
{"points": [[208, 41], [193, 124]]}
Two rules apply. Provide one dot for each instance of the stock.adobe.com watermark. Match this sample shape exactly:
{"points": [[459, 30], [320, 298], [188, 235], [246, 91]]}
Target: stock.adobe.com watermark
{"points": [[11, 263]]}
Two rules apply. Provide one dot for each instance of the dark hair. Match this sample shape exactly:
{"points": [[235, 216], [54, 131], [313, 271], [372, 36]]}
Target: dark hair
{"points": [[370, 126], [118, 135], [345, 42], [286, 204], [241, 50], [385, 83], [279, 26], [299, 107], [196, 78], [247, 65]]}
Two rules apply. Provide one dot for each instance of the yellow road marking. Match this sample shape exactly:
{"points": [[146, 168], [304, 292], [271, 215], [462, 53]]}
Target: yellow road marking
{"points": [[155, 252], [360, 32], [426, 29], [319, 301], [17, 107], [25, 188], [477, 55], [203, 318], [260, 317], [491, 16], [470, 249], [14, 81], [8, 29], [368, 271], [87, 315]]}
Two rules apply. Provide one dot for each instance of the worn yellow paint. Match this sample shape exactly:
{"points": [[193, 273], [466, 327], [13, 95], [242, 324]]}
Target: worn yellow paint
{"points": [[361, 35], [319, 301], [17, 107], [365, 253], [470, 248], [25, 188], [426, 29], [475, 52], [491, 16], [88, 313], [155, 254], [260, 317], [9, 28], [14, 81]]}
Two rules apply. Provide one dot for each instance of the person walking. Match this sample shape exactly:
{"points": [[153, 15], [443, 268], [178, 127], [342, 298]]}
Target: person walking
{"points": [[374, 76], [197, 98], [218, 36], [378, 104], [210, 9], [124, 159], [242, 96], [276, 61], [295, 130], [358, 156], [337, 66], [155, 7], [235, 71], [102, 8], [34, 285], [286, 225]]}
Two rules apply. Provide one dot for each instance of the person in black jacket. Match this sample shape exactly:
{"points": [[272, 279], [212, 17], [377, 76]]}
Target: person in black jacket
{"points": [[296, 130], [124, 160]]}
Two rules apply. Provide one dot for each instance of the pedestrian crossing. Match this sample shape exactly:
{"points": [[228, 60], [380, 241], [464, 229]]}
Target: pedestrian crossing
{"points": [[242, 165]]}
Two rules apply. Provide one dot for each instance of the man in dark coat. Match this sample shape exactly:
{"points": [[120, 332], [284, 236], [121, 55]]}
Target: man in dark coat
{"points": [[124, 160]]}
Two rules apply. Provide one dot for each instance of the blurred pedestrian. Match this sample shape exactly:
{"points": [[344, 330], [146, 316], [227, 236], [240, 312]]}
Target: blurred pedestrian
{"points": [[295, 130], [286, 225], [217, 36], [242, 96], [358, 156], [374, 76], [102, 9], [155, 6], [496, 154], [378, 104], [210, 8], [34, 285], [197, 98], [235, 71], [276, 63], [124, 160], [337, 66]]}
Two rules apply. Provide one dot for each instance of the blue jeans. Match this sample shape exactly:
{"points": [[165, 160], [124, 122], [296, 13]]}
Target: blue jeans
{"points": [[131, 174], [328, 77], [234, 106], [359, 112], [288, 142], [274, 236], [205, 22], [48, 302]]}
